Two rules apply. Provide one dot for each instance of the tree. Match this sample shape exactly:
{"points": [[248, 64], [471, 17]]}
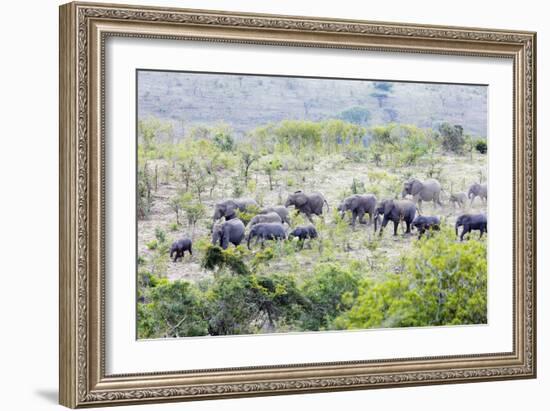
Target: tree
{"points": [[149, 132], [382, 91], [248, 156], [299, 135], [193, 211], [452, 137], [442, 282], [328, 290], [270, 167], [176, 204], [357, 115], [481, 146], [144, 197], [223, 138], [176, 309]]}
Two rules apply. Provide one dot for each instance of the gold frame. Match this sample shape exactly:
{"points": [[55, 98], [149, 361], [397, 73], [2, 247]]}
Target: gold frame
{"points": [[84, 28]]}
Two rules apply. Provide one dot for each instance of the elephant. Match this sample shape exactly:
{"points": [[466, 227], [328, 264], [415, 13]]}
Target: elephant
{"points": [[426, 223], [281, 210], [471, 222], [303, 233], [358, 205], [458, 199], [228, 208], [396, 211], [266, 231], [179, 248], [477, 190], [307, 204], [271, 217], [231, 231], [428, 190]]}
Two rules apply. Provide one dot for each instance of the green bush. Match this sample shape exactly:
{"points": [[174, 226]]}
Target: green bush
{"points": [[452, 137], [481, 146], [232, 259], [252, 304], [175, 309], [325, 290], [248, 215], [444, 282]]}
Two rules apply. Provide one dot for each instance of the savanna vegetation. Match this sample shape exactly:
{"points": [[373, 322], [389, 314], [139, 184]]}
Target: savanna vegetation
{"points": [[348, 277]]}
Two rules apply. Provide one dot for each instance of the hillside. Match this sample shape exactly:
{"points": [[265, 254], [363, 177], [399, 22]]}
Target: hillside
{"points": [[247, 101]]}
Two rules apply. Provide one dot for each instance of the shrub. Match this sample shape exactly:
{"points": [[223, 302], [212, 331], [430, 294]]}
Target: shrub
{"points": [[325, 291], [160, 235], [452, 137], [217, 258], [175, 309], [152, 245], [481, 146], [356, 115], [247, 215], [443, 283], [251, 304], [223, 140]]}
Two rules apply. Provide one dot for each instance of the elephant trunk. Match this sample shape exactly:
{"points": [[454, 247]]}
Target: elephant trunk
{"points": [[456, 228], [248, 240], [404, 193]]}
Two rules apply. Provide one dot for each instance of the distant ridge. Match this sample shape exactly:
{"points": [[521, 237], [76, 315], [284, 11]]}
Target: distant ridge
{"points": [[248, 101]]}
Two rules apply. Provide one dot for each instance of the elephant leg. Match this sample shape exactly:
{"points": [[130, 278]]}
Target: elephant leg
{"points": [[190, 251], [408, 224], [465, 231], [353, 218], [308, 215], [383, 225], [395, 225], [362, 217]]}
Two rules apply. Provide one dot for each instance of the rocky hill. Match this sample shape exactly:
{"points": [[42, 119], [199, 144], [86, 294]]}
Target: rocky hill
{"points": [[247, 101]]}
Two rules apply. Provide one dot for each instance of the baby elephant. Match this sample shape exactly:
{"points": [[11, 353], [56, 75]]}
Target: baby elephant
{"points": [[471, 222], [303, 233], [266, 231], [179, 248], [458, 199], [425, 223]]}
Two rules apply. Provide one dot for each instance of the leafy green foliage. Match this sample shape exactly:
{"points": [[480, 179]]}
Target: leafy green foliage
{"points": [[481, 146], [444, 282], [348, 277], [328, 291], [452, 137], [357, 115], [232, 259], [175, 309]]}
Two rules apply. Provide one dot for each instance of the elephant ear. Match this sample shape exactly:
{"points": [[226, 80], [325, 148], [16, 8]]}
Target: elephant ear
{"points": [[230, 209], [300, 199], [416, 187], [388, 207]]}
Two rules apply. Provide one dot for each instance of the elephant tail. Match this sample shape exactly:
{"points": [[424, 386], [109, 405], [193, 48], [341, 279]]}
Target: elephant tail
{"points": [[326, 202]]}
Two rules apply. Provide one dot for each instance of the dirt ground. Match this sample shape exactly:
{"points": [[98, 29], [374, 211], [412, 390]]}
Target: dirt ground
{"points": [[332, 176]]}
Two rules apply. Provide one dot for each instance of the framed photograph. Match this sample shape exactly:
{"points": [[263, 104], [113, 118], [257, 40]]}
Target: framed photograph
{"points": [[260, 205]]}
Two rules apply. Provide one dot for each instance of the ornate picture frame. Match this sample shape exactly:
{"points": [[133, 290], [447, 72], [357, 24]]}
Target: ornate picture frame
{"points": [[84, 29]]}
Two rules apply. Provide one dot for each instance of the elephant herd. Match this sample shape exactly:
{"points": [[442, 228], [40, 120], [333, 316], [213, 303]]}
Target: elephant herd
{"points": [[269, 223]]}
